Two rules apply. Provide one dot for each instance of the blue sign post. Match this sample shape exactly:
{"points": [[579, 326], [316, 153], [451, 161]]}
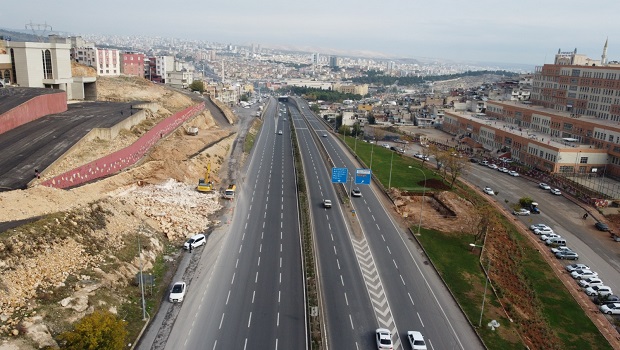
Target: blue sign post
{"points": [[363, 176], [339, 175]]}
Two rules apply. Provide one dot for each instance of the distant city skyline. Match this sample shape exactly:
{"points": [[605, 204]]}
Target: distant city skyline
{"points": [[525, 32]]}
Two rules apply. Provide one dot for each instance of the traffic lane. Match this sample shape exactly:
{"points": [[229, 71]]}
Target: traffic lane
{"points": [[563, 216], [406, 285], [347, 307]]}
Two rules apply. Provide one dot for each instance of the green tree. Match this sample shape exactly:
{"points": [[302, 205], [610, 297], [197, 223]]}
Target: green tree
{"points": [[315, 108], [197, 85], [100, 330], [245, 97]]}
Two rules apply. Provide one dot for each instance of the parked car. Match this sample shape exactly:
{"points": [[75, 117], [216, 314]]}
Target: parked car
{"points": [[513, 173], [484, 162], [583, 274], [521, 211], [544, 186], [547, 236], [601, 226], [384, 339], [502, 170], [606, 299], [598, 291], [573, 267], [356, 192], [610, 309], [543, 231], [561, 249], [538, 226], [489, 191], [416, 340], [493, 166], [567, 255], [590, 282], [177, 292], [555, 191], [195, 241]]}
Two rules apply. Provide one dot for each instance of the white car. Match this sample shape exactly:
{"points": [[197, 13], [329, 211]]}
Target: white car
{"points": [[560, 249], [384, 339], [543, 231], [583, 274], [416, 340], [555, 191], [327, 203], [324, 135], [547, 236], [195, 241], [521, 211], [279, 132], [598, 290], [537, 226], [590, 282], [177, 293], [613, 308], [493, 166], [544, 186], [489, 191], [513, 173], [573, 267]]}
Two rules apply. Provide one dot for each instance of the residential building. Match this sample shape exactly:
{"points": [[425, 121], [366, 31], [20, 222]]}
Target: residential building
{"points": [[133, 64], [163, 65], [181, 79], [108, 62]]}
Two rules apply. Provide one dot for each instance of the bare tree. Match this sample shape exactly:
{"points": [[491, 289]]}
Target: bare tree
{"points": [[454, 166]]}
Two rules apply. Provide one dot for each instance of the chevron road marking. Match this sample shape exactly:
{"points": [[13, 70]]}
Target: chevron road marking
{"points": [[375, 288]]}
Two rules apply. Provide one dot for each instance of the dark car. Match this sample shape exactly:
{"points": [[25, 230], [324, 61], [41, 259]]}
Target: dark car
{"points": [[356, 192], [607, 299], [601, 226]]}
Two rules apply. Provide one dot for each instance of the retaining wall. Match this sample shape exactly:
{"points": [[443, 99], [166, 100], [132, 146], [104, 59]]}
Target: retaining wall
{"points": [[123, 158], [35, 108]]}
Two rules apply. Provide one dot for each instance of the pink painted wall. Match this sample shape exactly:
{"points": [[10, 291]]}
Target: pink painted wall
{"points": [[126, 157], [33, 109]]}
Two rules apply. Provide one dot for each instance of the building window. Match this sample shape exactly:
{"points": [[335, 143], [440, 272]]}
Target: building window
{"points": [[46, 56]]}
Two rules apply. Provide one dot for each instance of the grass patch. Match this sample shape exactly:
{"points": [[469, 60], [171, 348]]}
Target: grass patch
{"points": [[250, 137]]}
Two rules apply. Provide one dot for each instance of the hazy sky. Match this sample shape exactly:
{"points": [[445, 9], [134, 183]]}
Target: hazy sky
{"points": [[524, 31]]}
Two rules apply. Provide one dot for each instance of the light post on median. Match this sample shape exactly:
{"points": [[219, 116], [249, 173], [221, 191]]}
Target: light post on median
{"points": [[486, 282], [423, 197]]}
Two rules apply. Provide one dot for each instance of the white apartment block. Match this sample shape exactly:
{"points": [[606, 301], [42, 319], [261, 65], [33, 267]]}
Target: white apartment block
{"points": [[108, 62], [163, 65], [180, 79]]}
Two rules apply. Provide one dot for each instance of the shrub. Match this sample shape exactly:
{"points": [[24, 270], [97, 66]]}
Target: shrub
{"points": [[100, 330]]}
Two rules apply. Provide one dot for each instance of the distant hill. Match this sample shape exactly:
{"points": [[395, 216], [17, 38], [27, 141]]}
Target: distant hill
{"points": [[13, 35]]}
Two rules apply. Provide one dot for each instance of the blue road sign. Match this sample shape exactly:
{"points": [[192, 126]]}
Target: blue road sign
{"points": [[339, 175], [363, 176]]}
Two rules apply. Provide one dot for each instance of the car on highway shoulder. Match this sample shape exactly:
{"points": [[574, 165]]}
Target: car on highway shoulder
{"points": [[195, 241], [598, 291], [177, 292], [567, 255], [610, 309], [573, 267], [544, 186], [416, 340], [537, 226], [513, 173], [606, 299], [560, 249], [384, 339], [356, 192], [547, 236], [555, 191], [590, 282], [521, 211], [543, 231], [601, 226], [489, 191]]}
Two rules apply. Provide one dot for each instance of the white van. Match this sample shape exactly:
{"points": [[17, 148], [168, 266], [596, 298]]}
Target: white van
{"points": [[195, 241], [558, 241]]}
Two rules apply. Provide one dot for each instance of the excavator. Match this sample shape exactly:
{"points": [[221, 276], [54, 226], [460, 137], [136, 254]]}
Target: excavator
{"points": [[205, 185]]}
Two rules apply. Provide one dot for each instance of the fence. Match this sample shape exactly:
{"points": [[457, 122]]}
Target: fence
{"points": [[123, 158]]}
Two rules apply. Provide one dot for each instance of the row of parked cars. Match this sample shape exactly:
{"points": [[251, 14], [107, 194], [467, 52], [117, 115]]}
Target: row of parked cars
{"points": [[501, 169], [586, 278]]}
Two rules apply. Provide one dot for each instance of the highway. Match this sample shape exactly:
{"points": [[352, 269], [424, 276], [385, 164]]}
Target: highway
{"points": [[248, 290], [405, 292], [348, 314]]}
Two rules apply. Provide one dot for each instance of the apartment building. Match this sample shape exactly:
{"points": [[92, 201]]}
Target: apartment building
{"points": [[179, 79], [361, 89], [108, 62], [570, 125], [133, 64]]}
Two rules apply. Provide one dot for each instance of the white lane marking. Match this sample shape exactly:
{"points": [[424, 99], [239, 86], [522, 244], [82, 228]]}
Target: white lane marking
{"points": [[378, 228], [240, 248], [280, 278], [256, 278], [250, 320], [331, 234], [253, 296], [222, 321], [259, 261], [237, 263], [233, 278], [402, 279], [279, 295], [410, 298], [329, 225], [351, 319], [260, 248], [245, 345], [373, 218], [383, 237], [388, 249], [228, 297], [342, 280], [338, 262], [395, 265], [280, 262], [346, 299], [278, 325], [335, 253]]}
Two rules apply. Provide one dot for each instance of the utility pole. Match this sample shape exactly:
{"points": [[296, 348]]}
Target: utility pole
{"points": [[141, 277]]}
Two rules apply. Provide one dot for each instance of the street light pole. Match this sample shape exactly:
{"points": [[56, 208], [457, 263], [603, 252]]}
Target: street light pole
{"points": [[372, 149]]}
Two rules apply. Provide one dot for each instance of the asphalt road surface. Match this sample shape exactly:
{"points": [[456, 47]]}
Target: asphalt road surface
{"points": [[412, 294]]}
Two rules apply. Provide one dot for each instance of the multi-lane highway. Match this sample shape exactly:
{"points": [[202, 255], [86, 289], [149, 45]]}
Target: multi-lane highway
{"points": [[405, 293], [248, 290]]}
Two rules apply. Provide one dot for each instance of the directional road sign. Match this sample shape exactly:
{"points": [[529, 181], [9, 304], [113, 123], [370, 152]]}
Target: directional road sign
{"points": [[363, 176], [339, 175]]}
